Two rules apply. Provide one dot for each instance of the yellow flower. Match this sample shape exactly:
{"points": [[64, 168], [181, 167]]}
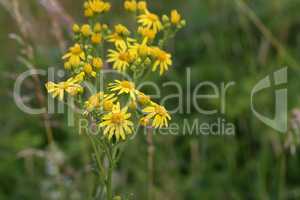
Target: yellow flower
{"points": [[70, 86], [175, 17], [150, 21], [122, 30], [117, 123], [96, 101], [130, 5], [143, 99], [96, 38], [147, 33], [97, 63], [123, 87], [142, 5], [97, 27], [117, 39], [88, 69], [107, 7], [119, 35], [159, 115], [108, 105], [99, 6], [88, 12], [75, 55], [141, 50], [76, 28], [163, 60], [120, 58], [86, 30]]}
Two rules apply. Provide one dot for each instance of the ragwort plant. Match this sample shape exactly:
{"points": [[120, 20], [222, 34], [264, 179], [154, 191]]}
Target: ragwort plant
{"points": [[134, 52]]}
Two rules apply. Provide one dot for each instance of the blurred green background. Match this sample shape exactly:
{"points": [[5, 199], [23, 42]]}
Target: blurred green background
{"points": [[225, 40]]}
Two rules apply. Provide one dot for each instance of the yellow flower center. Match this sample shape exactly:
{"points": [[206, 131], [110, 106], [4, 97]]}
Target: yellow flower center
{"points": [[128, 85], [117, 118], [124, 56]]}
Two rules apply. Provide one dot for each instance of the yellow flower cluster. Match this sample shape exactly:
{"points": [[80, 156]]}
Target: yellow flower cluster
{"points": [[133, 51]]}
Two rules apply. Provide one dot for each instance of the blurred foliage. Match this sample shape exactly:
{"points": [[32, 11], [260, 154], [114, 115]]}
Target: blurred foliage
{"points": [[221, 43]]}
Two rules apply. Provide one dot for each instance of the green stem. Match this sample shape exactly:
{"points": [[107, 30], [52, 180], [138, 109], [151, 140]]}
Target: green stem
{"points": [[109, 182], [110, 156]]}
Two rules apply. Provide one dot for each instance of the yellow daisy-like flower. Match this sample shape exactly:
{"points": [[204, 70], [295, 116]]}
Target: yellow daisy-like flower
{"points": [[150, 21], [120, 58], [159, 115], [88, 12], [147, 33], [117, 39], [96, 38], [86, 30], [96, 101], [122, 30], [70, 86], [120, 36], [123, 87], [142, 5], [130, 5], [163, 60], [88, 69], [141, 50], [175, 17], [75, 55], [97, 63], [117, 123], [99, 6]]}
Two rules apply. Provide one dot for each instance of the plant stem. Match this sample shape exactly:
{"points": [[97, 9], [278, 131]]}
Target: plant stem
{"points": [[109, 173], [109, 182], [150, 163]]}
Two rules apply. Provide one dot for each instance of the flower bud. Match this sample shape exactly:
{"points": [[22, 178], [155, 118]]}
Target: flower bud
{"points": [[88, 68], [76, 28]]}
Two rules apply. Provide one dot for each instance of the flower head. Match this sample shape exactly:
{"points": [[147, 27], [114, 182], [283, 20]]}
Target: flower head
{"points": [[159, 115], [163, 60], [147, 33], [130, 5], [120, 58], [117, 123], [86, 30], [97, 63], [99, 6], [96, 38], [120, 36], [70, 86], [123, 87], [75, 55], [142, 5], [96, 101], [175, 17], [150, 21]]}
